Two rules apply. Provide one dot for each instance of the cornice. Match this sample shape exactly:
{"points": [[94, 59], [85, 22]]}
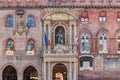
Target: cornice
{"points": [[63, 6]]}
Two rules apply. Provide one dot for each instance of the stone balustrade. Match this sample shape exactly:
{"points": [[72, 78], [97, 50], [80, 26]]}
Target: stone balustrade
{"points": [[60, 50]]}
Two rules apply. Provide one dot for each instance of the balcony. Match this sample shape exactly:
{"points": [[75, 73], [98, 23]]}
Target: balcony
{"points": [[59, 50]]}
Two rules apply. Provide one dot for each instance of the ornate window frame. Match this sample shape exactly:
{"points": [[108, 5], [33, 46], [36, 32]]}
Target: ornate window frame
{"points": [[85, 40], [103, 43]]}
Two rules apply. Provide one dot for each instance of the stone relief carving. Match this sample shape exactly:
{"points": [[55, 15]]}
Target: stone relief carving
{"points": [[60, 48], [21, 25]]}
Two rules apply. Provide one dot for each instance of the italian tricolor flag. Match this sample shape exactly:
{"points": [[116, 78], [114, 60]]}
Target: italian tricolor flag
{"points": [[48, 37]]}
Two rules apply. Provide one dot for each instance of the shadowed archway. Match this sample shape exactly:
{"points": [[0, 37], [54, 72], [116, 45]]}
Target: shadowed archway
{"points": [[30, 73], [59, 72], [9, 73]]}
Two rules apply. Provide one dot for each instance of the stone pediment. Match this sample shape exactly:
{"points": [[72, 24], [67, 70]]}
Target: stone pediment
{"points": [[59, 16], [60, 48]]}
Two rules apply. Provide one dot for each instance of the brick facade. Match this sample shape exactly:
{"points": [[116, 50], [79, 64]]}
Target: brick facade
{"points": [[67, 14]]}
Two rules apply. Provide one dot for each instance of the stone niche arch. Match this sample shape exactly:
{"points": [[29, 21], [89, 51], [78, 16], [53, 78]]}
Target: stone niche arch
{"points": [[59, 18], [64, 31]]}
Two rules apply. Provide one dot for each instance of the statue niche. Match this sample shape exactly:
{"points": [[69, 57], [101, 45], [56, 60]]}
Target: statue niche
{"points": [[60, 35]]}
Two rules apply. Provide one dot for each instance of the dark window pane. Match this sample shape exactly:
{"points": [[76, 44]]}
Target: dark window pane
{"points": [[86, 58]]}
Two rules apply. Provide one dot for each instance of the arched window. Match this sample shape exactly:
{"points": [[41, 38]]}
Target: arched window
{"points": [[31, 21], [10, 45], [30, 45], [118, 42], [103, 43], [85, 43], [9, 21]]}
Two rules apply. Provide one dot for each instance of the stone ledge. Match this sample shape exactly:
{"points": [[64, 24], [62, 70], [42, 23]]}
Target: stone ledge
{"points": [[99, 75]]}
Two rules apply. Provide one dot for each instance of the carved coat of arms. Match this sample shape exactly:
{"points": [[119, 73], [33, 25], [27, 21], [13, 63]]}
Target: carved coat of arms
{"points": [[20, 22]]}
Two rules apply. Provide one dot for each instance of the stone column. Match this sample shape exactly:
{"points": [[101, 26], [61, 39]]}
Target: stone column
{"points": [[70, 71], [49, 73], [39, 77], [44, 71], [70, 35], [1, 75], [75, 44], [20, 76], [70, 38], [75, 71]]}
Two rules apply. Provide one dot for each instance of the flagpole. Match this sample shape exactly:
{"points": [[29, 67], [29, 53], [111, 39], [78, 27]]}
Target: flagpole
{"points": [[42, 33]]}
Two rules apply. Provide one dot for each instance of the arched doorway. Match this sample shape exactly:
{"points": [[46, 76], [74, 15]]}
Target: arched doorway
{"points": [[59, 72], [9, 73], [30, 73], [60, 35]]}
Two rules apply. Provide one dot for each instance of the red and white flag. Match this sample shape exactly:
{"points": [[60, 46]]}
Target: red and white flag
{"points": [[76, 39]]}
